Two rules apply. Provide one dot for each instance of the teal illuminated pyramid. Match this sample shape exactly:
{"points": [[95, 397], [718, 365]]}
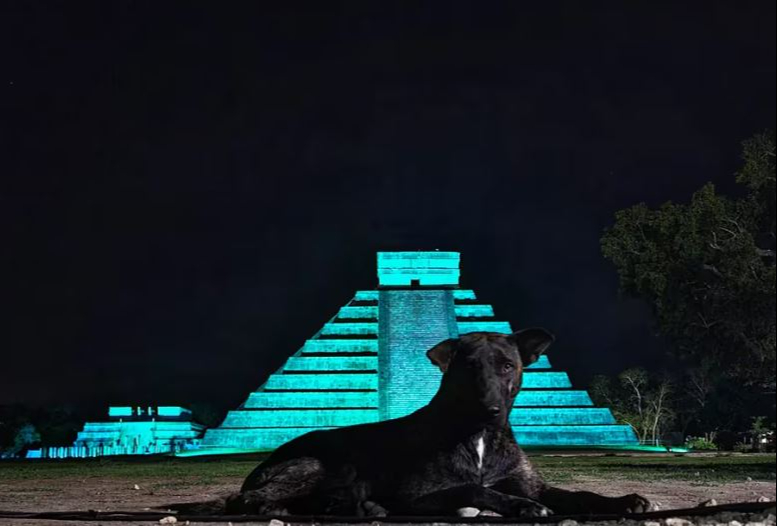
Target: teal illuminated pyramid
{"points": [[368, 363]]}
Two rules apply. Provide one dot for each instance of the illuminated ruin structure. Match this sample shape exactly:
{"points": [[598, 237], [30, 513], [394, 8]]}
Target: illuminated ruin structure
{"points": [[132, 431], [368, 363]]}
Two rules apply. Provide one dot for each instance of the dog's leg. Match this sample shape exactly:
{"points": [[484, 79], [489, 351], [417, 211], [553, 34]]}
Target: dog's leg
{"points": [[582, 502], [447, 501], [268, 490], [565, 502]]}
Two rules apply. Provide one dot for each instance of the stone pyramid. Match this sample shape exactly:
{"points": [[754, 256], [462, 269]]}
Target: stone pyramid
{"points": [[368, 363]]}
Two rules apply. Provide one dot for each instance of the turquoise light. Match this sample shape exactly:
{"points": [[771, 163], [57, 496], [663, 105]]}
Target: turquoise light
{"points": [[316, 399], [402, 269], [484, 326], [546, 380], [542, 363], [366, 295], [332, 363], [565, 398], [358, 312], [369, 363], [561, 416], [323, 382], [119, 411], [461, 294], [296, 418], [134, 431], [345, 329], [340, 346], [473, 311]]}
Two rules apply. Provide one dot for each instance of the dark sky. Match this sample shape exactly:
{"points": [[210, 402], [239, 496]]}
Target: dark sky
{"points": [[189, 191]]}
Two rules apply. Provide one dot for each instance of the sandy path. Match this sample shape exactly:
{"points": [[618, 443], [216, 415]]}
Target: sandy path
{"points": [[63, 494]]}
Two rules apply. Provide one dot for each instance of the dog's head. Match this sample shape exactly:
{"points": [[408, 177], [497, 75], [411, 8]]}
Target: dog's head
{"points": [[482, 371]]}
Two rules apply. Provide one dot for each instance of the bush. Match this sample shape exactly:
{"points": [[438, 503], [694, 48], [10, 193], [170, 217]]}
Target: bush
{"points": [[700, 444]]}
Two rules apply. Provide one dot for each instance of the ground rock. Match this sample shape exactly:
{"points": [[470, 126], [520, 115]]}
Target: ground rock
{"points": [[467, 512], [488, 513]]}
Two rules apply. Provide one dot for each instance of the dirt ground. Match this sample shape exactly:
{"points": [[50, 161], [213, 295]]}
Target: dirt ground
{"points": [[140, 489]]}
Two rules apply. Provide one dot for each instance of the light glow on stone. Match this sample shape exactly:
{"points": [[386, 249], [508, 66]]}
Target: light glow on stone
{"points": [[365, 371]]}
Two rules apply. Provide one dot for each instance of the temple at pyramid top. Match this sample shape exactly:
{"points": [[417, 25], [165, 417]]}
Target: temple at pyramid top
{"points": [[368, 363], [423, 269]]}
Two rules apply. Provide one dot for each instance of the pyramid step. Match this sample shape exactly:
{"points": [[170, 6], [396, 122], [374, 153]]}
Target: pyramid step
{"points": [[331, 363], [316, 399], [250, 439], [465, 327], [324, 382], [545, 380], [339, 346], [349, 329], [358, 312], [346, 417], [473, 311], [560, 416], [566, 398], [299, 418], [328, 381], [538, 436], [594, 435], [366, 295], [462, 294], [541, 363]]}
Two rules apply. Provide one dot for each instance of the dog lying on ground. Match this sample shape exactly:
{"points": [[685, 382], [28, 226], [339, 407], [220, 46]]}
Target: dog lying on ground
{"points": [[456, 452]]}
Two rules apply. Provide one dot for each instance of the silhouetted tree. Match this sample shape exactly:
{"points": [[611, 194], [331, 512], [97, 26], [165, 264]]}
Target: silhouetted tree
{"points": [[707, 268]]}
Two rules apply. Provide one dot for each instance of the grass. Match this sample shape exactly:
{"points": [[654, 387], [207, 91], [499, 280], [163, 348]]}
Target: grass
{"points": [[701, 469]]}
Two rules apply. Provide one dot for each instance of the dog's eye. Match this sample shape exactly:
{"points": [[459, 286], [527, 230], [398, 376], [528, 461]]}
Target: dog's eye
{"points": [[507, 367]]}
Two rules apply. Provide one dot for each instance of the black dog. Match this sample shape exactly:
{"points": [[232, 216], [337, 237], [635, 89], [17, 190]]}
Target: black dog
{"points": [[456, 452]]}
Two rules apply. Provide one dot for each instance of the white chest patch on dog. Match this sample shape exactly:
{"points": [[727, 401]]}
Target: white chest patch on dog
{"points": [[480, 447]]}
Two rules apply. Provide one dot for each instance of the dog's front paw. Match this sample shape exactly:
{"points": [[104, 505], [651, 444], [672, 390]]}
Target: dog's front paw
{"points": [[373, 509], [634, 503], [533, 510], [247, 504]]}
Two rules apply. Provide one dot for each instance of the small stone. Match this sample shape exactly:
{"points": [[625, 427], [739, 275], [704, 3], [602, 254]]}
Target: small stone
{"points": [[651, 523], [168, 520], [136, 487], [749, 479], [568, 522], [707, 503], [763, 498], [276, 522], [467, 512], [734, 523], [488, 513], [677, 521]]}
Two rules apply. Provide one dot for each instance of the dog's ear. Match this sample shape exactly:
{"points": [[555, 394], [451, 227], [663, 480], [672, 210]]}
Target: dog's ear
{"points": [[442, 353], [531, 343]]}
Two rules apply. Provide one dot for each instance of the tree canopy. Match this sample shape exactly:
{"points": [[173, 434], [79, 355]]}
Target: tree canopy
{"points": [[707, 268]]}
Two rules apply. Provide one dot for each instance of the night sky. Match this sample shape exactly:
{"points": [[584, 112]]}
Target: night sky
{"points": [[189, 191]]}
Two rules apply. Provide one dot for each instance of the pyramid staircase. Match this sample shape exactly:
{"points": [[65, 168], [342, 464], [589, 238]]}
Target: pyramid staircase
{"points": [[368, 363]]}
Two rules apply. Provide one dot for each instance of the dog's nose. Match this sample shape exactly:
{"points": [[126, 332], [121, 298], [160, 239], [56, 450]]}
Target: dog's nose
{"points": [[494, 410]]}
